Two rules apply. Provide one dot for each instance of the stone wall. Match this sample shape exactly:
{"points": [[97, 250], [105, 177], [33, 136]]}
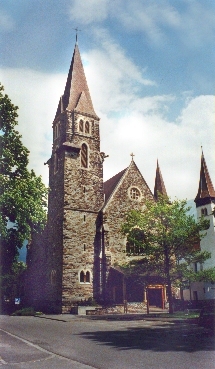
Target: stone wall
{"points": [[83, 198]]}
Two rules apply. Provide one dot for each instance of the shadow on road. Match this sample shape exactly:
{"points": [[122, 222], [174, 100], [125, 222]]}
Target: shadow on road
{"points": [[160, 339]]}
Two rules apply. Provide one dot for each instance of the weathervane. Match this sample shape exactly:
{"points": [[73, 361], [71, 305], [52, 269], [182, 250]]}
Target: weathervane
{"points": [[76, 36]]}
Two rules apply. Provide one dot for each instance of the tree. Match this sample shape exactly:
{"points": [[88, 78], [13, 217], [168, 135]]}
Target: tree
{"points": [[12, 285], [23, 196], [166, 239]]}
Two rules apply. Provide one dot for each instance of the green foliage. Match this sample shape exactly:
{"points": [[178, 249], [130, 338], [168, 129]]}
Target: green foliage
{"points": [[166, 239], [23, 196], [12, 283], [25, 312], [207, 275], [89, 302]]}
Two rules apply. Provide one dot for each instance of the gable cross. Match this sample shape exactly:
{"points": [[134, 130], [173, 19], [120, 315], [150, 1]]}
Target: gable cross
{"points": [[132, 155]]}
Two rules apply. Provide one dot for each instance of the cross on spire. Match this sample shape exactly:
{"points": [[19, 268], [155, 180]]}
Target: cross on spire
{"points": [[76, 36], [132, 155]]}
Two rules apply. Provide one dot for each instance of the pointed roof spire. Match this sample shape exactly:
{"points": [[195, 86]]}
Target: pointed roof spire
{"points": [[159, 183], [206, 191], [76, 94]]}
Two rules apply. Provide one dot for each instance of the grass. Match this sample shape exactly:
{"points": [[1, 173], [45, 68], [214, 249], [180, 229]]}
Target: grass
{"points": [[26, 312], [182, 315]]}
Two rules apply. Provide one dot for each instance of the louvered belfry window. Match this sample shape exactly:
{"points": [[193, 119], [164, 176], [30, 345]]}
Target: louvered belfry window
{"points": [[81, 126], [87, 127], [84, 154]]}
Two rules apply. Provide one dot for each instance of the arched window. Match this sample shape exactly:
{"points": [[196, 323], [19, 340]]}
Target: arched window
{"points": [[84, 156], [132, 249], [82, 276], [56, 162], [204, 212], [56, 130], [87, 277], [53, 277], [87, 127], [81, 126]]}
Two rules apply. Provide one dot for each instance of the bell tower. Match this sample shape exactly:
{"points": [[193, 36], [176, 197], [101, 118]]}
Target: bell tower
{"points": [[76, 193]]}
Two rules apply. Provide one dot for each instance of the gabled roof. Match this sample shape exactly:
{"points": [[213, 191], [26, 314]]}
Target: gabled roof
{"points": [[110, 184], [159, 183], [206, 190], [76, 94]]}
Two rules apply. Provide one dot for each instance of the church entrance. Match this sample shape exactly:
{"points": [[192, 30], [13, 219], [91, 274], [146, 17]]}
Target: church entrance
{"points": [[156, 296]]}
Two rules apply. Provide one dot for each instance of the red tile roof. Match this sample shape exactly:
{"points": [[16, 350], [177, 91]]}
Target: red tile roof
{"points": [[206, 189]]}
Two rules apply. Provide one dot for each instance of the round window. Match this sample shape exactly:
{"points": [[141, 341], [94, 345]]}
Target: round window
{"points": [[134, 193]]}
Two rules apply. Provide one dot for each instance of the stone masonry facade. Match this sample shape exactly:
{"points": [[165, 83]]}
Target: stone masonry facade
{"points": [[72, 259]]}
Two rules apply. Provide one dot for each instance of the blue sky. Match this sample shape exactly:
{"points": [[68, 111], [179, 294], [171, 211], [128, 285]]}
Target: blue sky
{"points": [[150, 70]]}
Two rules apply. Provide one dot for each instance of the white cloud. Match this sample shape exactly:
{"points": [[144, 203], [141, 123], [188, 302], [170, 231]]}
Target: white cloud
{"points": [[177, 146], [113, 74], [37, 95], [149, 17]]}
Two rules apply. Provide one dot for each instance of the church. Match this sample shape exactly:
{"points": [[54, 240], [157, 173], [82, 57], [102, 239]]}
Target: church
{"points": [[77, 256]]}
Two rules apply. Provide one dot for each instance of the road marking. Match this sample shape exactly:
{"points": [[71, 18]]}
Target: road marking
{"points": [[27, 342], [51, 354]]}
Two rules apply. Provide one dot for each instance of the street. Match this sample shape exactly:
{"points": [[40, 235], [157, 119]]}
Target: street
{"points": [[69, 342]]}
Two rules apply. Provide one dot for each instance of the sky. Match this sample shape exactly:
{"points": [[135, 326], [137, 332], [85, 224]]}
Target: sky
{"points": [[150, 70]]}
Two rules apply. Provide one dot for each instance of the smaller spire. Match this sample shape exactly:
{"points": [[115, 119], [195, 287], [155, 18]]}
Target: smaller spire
{"points": [[206, 192], [159, 184]]}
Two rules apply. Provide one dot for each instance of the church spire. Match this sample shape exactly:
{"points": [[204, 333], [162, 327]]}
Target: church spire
{"points": [[76, 94], [159, 183], [206, 192]]}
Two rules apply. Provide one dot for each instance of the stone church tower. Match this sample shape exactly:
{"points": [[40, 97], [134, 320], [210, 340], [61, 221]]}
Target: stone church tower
{"points": [[76, 187]]}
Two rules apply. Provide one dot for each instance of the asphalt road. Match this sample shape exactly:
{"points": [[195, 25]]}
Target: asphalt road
{"points": [[79, 343]]}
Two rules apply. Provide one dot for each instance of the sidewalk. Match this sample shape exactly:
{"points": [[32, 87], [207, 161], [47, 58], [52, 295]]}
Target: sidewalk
{"points": [[155, 314]]}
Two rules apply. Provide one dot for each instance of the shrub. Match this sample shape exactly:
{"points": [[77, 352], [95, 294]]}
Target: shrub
{"points": [[25, 312]]}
